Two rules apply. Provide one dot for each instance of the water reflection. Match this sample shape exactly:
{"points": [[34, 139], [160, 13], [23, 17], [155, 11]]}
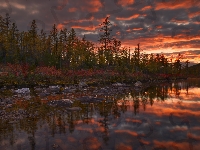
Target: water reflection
{"points": [[163, 116]]}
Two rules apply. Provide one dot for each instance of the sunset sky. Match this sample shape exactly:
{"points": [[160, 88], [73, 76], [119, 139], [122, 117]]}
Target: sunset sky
{"points": [[160, 26]]}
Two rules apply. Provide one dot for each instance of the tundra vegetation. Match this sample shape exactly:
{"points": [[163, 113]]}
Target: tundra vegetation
{"points": [[61, 57]]}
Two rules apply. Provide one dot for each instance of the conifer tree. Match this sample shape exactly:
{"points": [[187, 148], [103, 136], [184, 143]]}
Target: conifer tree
{"points": [[14, 48], [54, 46], [105, 41], [32, 40], [5, 26]]}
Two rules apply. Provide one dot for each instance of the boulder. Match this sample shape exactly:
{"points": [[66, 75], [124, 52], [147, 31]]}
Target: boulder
{"points": [[117, 84], [138, 84], [82, 84], [22, 91], [60, 103]]}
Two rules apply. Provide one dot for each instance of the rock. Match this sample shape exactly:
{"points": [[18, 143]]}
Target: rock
{"points": [[12, 122], [22, 91], [54, 88], [42, 95], [67, 100], [61, 103], [82, 84], [74, 109], [9, 105], [2, 103], [38, 90], [27, 97], [117, 84], [138, 84]]}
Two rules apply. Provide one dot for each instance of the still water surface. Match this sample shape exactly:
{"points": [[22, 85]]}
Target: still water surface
{"points": [[162, 116]]}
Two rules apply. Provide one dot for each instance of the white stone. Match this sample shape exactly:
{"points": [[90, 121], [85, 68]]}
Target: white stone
{"points": [[138, 84]]}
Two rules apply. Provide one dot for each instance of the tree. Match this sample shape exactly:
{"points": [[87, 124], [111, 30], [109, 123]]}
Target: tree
{"points": [[42, 47], [4, 36], [32, 47], [187, 66], [105, 41], [137, 57], [177, 64], [70, 53], [54, 46], [14, 48], [116, 50], [63, 45]]}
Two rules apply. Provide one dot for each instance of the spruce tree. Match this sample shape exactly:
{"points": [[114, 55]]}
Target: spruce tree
{"points": [[105, 41]]}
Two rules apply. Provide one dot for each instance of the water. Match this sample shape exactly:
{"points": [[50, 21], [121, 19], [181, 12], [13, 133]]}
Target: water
{"points": [[162, 116]]}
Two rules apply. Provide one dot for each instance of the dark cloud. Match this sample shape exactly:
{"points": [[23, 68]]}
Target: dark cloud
{"points": [[159, 25]]}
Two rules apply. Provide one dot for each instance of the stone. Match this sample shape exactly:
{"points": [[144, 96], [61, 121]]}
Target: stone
{"points": [[138, 84]]}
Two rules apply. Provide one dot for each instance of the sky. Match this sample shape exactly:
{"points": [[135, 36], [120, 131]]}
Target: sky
{"points": [[160, 26]]}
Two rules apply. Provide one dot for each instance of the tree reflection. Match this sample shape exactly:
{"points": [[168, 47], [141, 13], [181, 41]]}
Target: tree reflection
{"points": [[136, 105], [71, 122], [60, 120], [105, 112], [6, 131], [87, 111], [115, 110], [144, 99]]}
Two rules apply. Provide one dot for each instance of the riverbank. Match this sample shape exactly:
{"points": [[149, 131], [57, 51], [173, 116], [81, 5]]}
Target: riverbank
{"points": [[24, 76], [100, 79]]}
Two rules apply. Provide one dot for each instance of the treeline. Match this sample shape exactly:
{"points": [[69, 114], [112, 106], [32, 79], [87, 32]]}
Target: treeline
{"points": [[193, 71], [64, 50]]}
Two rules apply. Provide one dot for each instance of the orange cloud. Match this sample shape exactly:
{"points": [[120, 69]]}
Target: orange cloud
{"points": [[129, 18], [121, 146], [125, 2], [179, 128], [128, 30], [179, 21], [161, 39], [166, 44], [72, 9], [194, 14], [136, 29], [196, 22], [91, 6], [90, 28], [146, 8], [159, 27], [172, 4], [19, 6], [82, 20], [60, 26], [61, 4]]}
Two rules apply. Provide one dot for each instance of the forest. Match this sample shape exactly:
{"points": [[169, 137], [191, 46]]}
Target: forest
{"points": [[60, 56]]}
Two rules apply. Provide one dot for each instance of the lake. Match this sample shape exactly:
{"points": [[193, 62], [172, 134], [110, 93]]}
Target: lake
{"points": [[164, 116]]}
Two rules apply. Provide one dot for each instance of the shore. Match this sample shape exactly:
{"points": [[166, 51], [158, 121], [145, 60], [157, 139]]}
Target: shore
{"points": [[91, 78]]}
